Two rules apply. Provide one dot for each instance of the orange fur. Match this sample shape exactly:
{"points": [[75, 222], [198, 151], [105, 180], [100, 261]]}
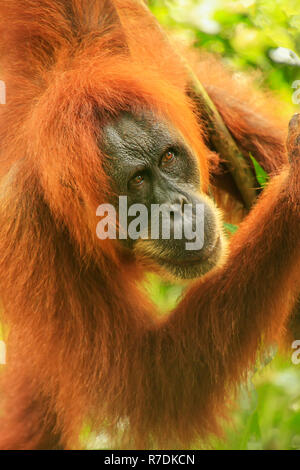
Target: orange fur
{"points": [[84, 345]]}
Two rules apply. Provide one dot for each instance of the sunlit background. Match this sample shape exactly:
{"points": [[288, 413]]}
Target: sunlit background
{"points": [[247, 33]]}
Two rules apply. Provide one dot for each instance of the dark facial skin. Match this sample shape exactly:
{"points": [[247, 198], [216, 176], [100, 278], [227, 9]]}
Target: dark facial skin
{"points": [[150, 163]]}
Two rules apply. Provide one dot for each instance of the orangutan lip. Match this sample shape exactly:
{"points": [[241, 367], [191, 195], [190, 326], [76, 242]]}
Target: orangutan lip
{"points": [[186, 262], [193, 261]]}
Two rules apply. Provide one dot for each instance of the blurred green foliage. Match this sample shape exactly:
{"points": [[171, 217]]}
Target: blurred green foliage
{"points": [[268, 415], [244, 32]]}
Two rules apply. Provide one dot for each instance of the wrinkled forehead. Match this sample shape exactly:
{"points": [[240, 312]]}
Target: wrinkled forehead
{"points": [[145, 134]]}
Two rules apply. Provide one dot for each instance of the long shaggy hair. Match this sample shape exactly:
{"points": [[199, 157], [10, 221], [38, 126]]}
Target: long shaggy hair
{"points": [[84, 345]]}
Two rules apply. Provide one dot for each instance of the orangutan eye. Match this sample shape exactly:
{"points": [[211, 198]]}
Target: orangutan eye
{"points": [[168, 158], [137, 180]]}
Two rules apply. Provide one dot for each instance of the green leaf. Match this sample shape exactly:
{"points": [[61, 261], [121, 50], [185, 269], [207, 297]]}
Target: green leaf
{"points": [[230, 228], [261, 176]]}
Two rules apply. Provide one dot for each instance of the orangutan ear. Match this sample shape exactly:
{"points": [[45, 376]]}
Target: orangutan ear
{"points": [[108, 18]]}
